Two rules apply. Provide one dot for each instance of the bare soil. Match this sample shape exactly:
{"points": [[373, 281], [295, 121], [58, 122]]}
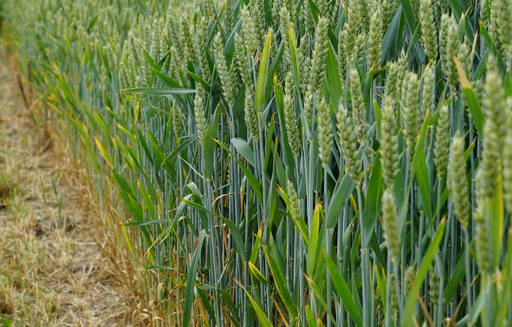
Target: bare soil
{"points": [[60, 264]]}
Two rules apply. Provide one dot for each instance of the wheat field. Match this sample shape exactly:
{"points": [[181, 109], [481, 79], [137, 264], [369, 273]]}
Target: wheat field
{"points": [[291, 162]]}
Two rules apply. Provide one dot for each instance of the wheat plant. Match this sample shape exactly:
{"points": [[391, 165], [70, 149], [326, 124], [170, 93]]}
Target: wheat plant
{"points": [[289, 162]]}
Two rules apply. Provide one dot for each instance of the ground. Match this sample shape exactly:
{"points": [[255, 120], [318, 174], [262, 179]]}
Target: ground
{"points": [[60, 264]]}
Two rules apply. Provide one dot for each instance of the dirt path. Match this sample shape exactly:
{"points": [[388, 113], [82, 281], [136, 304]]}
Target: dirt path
{"points": [[53, 272]]}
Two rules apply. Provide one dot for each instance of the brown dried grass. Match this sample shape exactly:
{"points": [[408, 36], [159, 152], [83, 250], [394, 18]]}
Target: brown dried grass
{"points": [[60, 264]]}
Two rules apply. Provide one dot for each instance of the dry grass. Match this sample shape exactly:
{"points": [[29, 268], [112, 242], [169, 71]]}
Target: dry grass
{"points": [[59, 264]]}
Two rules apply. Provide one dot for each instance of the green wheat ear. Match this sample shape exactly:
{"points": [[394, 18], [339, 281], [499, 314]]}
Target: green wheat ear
{"points": [[176, 120], [244, 65], [286, 24], [294, 200], [401, 70], [482, 231], [494, 105], [507, 162], [410, 272], [318, 63], [503, 21], [390, 225], [442, 141], [428, 29], [410, 110], [358, 107], [200, 113], [357, 15], [250, 32], [388, 144], [375, 39], [457, 181], [342, 54], [243, 61], [201, 47], [324, 132], [304, 57], [292, 127], [317, 70], [186, 39], [391, 86], [449, 44], [428, 92], [226, 74], [434, 281], [348, 143]]}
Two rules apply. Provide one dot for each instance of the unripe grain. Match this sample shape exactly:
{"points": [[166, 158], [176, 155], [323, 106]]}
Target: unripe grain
{"points": [[503, 15], [358, 107], [410, 111], [176, 120], [434, 280], [442, 141], [494, 105], [294, 209], [390, 225], [290, 117], [250, 32], [318, 63], [483, 249], [348, 143], [201, 46], [226, 74], [342, 56], [391, 87], [428, 92], [187, 40], [428, 29], [458, 182], [285, 23], [251, 116], [448, 46], [303, 57], [388, 144], [243, 62], [200, 113], [375, 39], [324, 133]]}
